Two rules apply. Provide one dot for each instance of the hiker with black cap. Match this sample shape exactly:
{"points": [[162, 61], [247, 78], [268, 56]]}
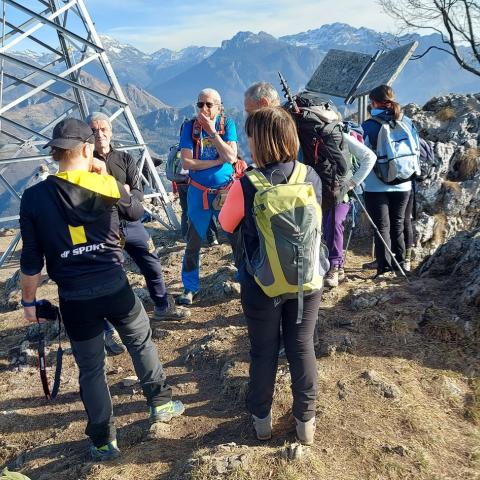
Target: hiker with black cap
{"points": [[71, 221]]}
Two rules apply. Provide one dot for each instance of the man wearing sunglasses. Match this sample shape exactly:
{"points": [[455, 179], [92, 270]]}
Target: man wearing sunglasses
{"points": [[209, 149]]}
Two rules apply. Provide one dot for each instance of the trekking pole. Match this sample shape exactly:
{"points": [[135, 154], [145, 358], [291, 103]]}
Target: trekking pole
{"points": [[380, 236]]}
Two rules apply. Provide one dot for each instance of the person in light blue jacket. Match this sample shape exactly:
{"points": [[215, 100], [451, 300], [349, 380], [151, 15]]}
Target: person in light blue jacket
{"points": [[386, 203]]}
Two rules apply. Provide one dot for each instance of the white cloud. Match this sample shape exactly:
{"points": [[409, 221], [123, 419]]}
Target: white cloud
{"points": [[175, 25]]}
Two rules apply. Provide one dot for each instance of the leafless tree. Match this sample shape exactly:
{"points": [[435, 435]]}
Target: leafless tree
{"points": [[457, 21]]}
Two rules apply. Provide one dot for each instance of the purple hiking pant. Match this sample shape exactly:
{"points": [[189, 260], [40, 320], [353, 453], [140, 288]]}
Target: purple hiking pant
{"points": [[333, 232]]}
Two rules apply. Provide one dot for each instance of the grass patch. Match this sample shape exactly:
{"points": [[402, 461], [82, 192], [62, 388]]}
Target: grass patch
{"points": [[467, 166], [473, 404], [263, 463], [446, 114], [439, 228], [454, 187]]}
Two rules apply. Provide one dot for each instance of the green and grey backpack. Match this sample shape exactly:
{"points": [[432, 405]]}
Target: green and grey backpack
{"points": [[291, 259]]}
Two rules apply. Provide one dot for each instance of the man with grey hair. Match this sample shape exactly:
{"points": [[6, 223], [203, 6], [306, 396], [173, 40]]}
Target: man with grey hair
{"points": [[260, 94], [209, 149], [122, 166]]}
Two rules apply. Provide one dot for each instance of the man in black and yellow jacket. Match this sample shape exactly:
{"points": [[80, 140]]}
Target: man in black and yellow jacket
{"points": [[71, 220]]}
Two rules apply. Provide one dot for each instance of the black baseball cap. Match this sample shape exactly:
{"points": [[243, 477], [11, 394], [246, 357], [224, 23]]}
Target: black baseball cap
{"points": [[69, 133]]}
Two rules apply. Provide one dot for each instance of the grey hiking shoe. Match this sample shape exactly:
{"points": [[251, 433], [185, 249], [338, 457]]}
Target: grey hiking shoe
{"points": [[306, 431], [263, 426], [186, 298], [113, 342], [331, 278], [105, 453], [167, 411], [171, 312], [341, 274]]}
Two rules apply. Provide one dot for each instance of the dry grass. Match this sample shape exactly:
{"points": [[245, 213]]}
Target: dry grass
{"points": [[263, 463], [446, 114], [468, 164], [454, 187], [473, 404], [439, 228]]}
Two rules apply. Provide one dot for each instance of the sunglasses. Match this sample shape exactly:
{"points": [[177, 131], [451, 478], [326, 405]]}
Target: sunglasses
{"points": [[208, 104]]}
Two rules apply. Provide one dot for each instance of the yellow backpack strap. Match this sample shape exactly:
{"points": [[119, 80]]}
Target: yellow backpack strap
{"points": [[299, 173], [257, 179]]}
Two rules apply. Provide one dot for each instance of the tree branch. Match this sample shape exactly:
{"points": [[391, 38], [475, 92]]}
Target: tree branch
{"points": [[416, 57]]}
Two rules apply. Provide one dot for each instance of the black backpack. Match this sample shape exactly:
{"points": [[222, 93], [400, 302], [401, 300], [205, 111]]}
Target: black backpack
{"points": [[320, 132], [426, 160]]}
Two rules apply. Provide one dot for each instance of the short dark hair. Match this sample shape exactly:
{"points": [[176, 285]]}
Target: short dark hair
{"points": [[274, 136], [64, 155]]}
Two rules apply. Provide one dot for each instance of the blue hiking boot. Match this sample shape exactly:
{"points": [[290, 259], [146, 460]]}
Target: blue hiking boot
{"points": [[167, 411], [105, 453]]}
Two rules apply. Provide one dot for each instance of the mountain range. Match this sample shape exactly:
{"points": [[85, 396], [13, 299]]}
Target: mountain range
{"points": [[176, 77], [162, 87]]}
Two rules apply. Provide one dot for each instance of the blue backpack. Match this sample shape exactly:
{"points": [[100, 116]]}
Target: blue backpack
{"points": [[397, 151]]}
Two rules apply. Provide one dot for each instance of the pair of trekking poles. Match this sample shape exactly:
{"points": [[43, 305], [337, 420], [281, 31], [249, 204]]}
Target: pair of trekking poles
{"points": [[377, 232]]}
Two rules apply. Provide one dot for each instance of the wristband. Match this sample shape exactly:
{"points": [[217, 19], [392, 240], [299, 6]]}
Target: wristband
{"points": [[28, 304]]}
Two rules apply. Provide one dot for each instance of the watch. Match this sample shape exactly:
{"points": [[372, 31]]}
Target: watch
{"points": [[28, 304], [213, 135]]}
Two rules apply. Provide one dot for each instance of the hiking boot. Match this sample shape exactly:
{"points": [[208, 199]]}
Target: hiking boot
{"points": [[370, 265], [170, 312], [306, 431], [105, 453], [186, 298], [167, 411], [213, 243], [263, 426], [341, 274], [331, 278], [113, 342], [407, 265]]}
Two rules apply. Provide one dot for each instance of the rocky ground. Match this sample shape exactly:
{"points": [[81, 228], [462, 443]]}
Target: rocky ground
{"points": [[398, 364]]}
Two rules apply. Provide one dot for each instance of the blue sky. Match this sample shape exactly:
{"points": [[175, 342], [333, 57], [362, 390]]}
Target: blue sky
{"points": [[153, 24]]}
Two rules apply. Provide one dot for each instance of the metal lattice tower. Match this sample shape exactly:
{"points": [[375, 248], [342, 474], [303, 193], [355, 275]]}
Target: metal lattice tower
{"points": [[66, 72]]}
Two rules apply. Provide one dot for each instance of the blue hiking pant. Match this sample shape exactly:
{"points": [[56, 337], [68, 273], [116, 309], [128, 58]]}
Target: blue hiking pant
{"points": [[136, 245], [198, 222], [212, 232]]}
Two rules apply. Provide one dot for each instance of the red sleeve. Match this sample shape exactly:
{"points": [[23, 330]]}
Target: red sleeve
{"points": [[233, 209]]}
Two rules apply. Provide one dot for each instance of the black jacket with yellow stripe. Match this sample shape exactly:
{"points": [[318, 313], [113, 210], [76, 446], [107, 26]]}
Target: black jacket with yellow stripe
{"points": [[72, 221]]}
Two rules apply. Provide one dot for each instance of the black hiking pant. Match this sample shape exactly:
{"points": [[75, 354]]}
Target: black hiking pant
{"points": [[387, 210], [264, 316], [409, 235], [83, 320]]}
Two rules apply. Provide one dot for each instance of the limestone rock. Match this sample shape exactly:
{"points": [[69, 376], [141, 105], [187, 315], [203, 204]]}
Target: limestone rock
{"points": [[380, 386]]}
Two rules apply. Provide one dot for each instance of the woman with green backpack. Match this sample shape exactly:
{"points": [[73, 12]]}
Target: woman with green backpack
{"points": [[276, 207]]}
